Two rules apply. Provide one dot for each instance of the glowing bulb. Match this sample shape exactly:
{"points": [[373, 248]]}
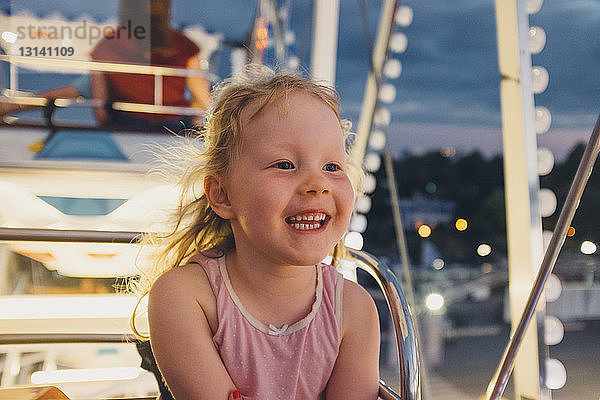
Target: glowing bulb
{"points": [[588, 247], [358, 223], [382, 116], [372, 162], [293, 63], [289, 38], [484, 249], [534, 6], [369, 184], [398, 42], [553, 288], [547, 200], [424, 231], [539, 79], [363, 204], [434, 301], [461, 224], [9, 37], [354, 240], [537, 39], [404, 16], [387, 93], [438, 264], [554, 331], [543, 119], [545, 161], [571, 232], [377, 140], [556, 374], [392, 68]]}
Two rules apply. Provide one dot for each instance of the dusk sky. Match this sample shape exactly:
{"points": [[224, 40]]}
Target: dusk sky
{"points": [[448, 92]]}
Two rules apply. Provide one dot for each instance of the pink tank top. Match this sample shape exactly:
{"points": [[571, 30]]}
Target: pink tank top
{"points": [[270, 363]]}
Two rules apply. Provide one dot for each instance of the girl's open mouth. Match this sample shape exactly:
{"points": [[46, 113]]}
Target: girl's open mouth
{"points": [[307, 222]]}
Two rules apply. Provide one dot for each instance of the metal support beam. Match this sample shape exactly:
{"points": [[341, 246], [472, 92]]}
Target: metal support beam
{"points": [[324, 40], [523, 220], [384, 30]]}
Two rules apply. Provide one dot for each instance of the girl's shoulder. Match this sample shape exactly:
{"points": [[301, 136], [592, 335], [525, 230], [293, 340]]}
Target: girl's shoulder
{"points": [[183, 284], [358, 306]]}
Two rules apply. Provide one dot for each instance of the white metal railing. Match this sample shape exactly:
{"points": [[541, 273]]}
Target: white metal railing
{"points": [[13, 95]]}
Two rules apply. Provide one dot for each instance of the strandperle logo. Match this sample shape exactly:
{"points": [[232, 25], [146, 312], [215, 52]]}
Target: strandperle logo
{"points": [[82, 30]]}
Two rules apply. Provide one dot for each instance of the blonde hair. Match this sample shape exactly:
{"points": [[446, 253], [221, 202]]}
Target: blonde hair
{"points": [[196, 227]]}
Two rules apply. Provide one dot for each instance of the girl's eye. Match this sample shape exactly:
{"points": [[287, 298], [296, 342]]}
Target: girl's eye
{"points": [[331, 167], [284, 165]]}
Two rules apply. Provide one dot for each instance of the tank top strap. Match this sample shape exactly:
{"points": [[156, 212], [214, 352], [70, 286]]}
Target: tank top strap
{"points": [[210, 265], [333, 293]]}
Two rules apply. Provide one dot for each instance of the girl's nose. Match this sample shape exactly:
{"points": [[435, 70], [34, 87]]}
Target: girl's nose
{"points": [[315, 185], [316, 188]]}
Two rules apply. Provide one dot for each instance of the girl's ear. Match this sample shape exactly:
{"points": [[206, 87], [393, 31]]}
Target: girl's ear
{"points": [[216, 194]]}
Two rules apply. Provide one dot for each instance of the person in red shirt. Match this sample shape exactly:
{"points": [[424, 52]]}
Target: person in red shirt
{"points": [[162, 46]]}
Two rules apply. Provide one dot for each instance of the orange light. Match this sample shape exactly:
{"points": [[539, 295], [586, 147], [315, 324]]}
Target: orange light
{"points": [[571, 232], [461, 224], [424, 231], [262, 37]]}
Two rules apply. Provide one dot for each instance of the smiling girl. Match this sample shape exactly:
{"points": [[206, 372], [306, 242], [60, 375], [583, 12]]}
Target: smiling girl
{"points": [[243, 302]]}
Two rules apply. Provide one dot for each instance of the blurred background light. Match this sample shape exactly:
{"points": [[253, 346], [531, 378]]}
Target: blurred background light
{"points": [[461, 224], [369, 184], [484, 249], [358, 223], [534, 6], [424, 231], [404, 16], [382, 116], [434, 301], [556, 375], [392, 68], [354, 240], [539, 79], [372, 162], [398, 42], [537, 39], [545, 161], [437, 264], [363, 204], [547, 200], [588, 247], [553, 288], [543, 120], [554, 331], [377, 140], [387, 93]]}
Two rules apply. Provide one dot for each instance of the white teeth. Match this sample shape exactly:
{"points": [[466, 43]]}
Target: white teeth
{"points": [[305, 227], [315, 217]]}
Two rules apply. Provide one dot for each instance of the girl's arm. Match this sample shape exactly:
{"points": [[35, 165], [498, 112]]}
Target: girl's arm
{"points": [[182, 339], [356, 371], [99, 89]]}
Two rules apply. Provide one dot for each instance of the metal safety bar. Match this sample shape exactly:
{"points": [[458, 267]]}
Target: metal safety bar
{"points": [[408, 356], [77, 65], [61, 64], [586, 165]]}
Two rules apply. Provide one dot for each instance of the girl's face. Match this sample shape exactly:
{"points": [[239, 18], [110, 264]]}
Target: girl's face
{"points": [[289, 193]]}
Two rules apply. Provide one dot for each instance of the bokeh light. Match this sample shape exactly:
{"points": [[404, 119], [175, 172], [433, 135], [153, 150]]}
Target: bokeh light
{"points": [[588, 247], [461, 224], [434, 301], [484, 249], [424, 231]]}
